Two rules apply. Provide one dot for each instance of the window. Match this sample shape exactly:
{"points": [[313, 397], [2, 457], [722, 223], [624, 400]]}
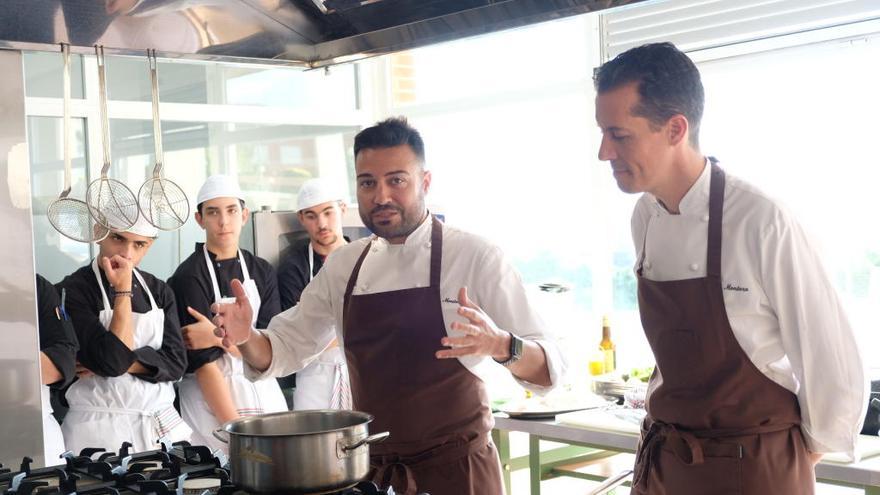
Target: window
{"points": [[216, 118]]}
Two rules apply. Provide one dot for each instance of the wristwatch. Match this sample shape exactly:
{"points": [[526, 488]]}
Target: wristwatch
{"points": [[516, 350]]}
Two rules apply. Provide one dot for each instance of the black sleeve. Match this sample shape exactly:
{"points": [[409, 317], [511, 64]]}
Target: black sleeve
{"points": [[99, 349], [167, 363], [57, 338], [292, 279], [270, 301], [190, 291]]}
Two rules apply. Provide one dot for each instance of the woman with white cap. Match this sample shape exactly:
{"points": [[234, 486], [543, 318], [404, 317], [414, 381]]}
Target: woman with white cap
{"points": [[131, 349], [324, 383], [215, 389]]}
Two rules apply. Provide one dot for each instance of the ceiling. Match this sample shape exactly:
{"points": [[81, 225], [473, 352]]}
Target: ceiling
{"points": [[309, 33]]}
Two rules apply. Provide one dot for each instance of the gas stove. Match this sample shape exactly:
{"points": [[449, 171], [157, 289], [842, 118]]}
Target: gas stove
{"points": [[167, 471]]}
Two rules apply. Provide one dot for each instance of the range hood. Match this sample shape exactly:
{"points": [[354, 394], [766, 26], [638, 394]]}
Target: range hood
{"points": [[308, 33]]}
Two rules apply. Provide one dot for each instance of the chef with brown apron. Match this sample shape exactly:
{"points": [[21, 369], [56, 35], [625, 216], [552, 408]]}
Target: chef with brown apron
{"points": [[715, 424], [758, 372], [418, 309]]}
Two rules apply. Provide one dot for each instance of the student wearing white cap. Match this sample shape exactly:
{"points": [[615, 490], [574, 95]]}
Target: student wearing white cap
{"points": [[215, 389], [131, 349], [324, 383]]}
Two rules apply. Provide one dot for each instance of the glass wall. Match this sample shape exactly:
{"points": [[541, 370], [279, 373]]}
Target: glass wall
{"points": [[512, 142], [272, 128]]}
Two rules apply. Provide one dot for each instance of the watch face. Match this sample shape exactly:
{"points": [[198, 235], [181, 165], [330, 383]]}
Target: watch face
{"points": [[516, 347]]}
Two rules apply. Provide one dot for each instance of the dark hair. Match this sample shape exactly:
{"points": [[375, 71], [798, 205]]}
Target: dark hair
{"points": [[668, 84], [199, 206], [394, 131]]}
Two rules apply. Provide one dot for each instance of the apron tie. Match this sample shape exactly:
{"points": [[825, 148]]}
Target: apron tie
{"points": [[391, 471], [387, 466], [683, 443]]}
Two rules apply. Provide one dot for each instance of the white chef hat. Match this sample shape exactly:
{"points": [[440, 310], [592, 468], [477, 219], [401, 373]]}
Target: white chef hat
{"points": [[143, 227], [316, 191], [219, 186]]}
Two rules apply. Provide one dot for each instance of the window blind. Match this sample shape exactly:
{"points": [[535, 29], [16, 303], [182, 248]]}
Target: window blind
{"points": [[703, 24]]}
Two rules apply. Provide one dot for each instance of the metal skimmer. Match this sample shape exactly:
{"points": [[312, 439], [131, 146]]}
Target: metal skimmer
{"points": [[68, 215], [111, 203], [162, 202]]}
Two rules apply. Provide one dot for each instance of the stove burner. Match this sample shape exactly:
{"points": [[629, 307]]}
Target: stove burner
{"points": [[156, 472]]}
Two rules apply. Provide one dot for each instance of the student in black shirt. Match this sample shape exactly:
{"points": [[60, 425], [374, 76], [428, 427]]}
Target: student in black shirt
{"points": [[131, 349], [215, 389], [324, 383], [57, 362]]}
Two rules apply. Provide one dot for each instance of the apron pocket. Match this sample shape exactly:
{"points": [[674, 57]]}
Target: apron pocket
{"points": [[716, 475]]}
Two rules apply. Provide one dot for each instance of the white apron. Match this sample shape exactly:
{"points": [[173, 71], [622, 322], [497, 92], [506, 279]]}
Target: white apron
{"points": [[106, 411], [323, 384], [53, 440], [250, 398]]}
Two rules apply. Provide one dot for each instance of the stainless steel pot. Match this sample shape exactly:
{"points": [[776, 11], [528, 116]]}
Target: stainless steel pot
{"points": [[299, 451]]}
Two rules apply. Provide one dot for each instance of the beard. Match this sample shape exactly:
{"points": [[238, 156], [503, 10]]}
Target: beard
{"points": [[410, 218]]}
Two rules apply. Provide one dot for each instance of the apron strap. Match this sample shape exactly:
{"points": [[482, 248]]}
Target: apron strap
{"points": [[716, 207], [352, 279], [436, 250]]}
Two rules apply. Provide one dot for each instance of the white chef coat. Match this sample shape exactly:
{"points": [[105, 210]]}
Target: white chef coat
{"points": [[781, 305], [299, 334]]}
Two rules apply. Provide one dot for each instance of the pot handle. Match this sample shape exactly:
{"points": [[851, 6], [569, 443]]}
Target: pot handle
{"points": [[378, 437], [216, 434]]}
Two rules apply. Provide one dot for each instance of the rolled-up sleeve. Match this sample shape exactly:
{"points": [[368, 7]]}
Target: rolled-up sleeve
{"points": [[99, 350], [817, 338]]}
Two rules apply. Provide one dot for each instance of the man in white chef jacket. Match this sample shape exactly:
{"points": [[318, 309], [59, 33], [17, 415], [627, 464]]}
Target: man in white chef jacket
{"points": [[753, 346], [421, 309]]}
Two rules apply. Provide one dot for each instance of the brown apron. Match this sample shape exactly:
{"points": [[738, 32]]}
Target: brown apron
{"points": [[436, 410], [716, 425]]}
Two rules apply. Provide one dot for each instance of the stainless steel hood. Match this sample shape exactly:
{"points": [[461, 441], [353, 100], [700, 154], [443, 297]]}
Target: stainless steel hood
{"points": [[309, 33]]}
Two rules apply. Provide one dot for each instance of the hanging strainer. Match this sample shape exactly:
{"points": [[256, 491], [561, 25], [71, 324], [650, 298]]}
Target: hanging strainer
{"points": [[162, 202], [71, 216], [111, 202]]}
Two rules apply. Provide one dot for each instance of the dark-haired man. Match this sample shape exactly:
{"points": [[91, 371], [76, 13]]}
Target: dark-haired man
{"points": [[758, 372], [215, 389], [419, 309], [130, 349]]}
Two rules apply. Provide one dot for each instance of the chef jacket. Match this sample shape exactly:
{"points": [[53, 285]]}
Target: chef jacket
{"points": [[299, 334], [192, 287], [100, 350], [57, 338], [783, 310]]}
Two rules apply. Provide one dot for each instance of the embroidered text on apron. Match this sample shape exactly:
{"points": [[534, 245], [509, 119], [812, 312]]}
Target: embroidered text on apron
{"points": [[106, 411], [716, 425], [250, 398], [436, 410]]}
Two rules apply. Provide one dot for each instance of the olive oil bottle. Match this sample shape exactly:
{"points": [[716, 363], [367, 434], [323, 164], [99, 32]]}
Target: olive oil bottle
{"points": [[607, 346]]}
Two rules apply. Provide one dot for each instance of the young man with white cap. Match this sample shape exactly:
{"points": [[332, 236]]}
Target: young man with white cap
{"points": [[131, 349], [215, 389], [324, 383]]}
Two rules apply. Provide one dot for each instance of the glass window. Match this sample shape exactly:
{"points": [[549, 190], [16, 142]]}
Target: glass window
{"points": [[800, 123], [43, 75], [56, 255], [529, 57], [271, 160]]}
